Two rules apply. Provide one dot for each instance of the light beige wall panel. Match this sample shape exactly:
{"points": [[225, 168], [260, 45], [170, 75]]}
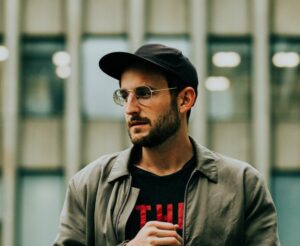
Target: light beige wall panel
{"points": [[105, 16], [41, 144], [286, 17], [102, 138], [1, 121], [231, 139], [1, 88], [229, 17], [166, 17], [287, 146], [43, 17], [1, 17]]}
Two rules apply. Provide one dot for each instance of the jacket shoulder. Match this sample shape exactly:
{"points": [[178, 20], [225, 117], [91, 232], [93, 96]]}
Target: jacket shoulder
{"points": [[221, 167], [231, 166], [240, 176]]}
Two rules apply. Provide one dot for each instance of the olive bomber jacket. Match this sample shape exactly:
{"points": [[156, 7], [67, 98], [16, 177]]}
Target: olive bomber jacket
{"points": [[226, 203]]}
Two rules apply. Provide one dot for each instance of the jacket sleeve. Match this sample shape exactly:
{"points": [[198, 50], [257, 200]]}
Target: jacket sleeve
{"points": [[72, 223], [260, 217]]}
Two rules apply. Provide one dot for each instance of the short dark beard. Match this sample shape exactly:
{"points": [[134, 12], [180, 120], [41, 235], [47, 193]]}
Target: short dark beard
{"points": [[165, 126]]}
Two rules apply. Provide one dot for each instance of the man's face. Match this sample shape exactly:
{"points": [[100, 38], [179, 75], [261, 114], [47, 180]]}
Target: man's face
{"points": [[149, 125]]}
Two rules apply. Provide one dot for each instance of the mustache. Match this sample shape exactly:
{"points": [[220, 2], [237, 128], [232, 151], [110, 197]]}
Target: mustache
{"points": [[134, 120]]}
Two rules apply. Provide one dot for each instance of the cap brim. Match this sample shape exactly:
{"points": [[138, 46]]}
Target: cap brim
{"points": [[113, 64]]}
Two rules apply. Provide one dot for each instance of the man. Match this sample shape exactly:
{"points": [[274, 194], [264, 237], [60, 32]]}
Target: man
{"points": [[166, 189]]}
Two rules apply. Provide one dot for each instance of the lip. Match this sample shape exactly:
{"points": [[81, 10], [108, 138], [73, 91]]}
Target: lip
{"points": [[137, 123]]}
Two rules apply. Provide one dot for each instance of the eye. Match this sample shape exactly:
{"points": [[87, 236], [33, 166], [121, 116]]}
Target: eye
{"points": [[123, 94], [143, 92]]}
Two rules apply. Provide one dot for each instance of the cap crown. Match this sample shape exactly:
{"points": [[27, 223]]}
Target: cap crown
{"points": [[163, 57]]}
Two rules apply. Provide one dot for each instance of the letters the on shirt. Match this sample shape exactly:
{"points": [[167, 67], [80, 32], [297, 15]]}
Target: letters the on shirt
{"points": [[160, 216]]}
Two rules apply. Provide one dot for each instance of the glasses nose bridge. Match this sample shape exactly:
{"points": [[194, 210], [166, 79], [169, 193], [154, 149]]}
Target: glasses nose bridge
{"points": [[131, 92], [131, 97]]}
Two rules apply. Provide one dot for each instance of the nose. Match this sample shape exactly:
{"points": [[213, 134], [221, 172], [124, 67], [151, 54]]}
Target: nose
{"points": [[132, 105]]}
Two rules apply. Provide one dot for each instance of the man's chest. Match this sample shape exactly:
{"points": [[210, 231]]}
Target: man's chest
{"points": [[160, 199]]}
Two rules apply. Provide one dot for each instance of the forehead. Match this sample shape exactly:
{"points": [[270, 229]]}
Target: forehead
{"points": [[140, 74]]}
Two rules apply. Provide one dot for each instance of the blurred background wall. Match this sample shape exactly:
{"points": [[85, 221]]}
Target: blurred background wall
{"points": [[57, 113]]}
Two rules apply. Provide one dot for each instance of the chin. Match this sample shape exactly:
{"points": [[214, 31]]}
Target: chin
{"points": [[145, 141], [137, 138]]}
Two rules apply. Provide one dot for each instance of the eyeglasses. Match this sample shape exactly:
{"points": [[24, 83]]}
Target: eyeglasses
{"points": [[142, 93]]}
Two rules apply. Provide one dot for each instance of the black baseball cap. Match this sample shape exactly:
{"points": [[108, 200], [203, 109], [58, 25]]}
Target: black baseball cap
{"points": [[165, 58]]}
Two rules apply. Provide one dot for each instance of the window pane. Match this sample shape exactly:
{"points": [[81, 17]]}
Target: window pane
{"points": [[228, 84], [286, 195], [41, 89], [228, 98], [41, 199], [1, 199], [286, 80], [98, 87]]}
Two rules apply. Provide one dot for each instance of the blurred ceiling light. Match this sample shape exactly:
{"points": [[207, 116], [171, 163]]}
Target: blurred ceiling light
{"points": [[215, 83], [226, 59], [4, 53], [286, 59], [61, 58], [63, 72]]}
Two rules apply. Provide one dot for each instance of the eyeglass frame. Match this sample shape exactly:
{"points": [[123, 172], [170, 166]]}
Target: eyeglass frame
{"points": [[119, 100]]}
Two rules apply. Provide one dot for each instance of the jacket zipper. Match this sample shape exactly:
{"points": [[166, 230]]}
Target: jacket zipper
{"points": [[184, 210], [122, 208]]}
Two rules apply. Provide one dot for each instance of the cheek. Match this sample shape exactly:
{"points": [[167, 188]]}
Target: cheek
{"points": [[162, 106], [162, 111]]}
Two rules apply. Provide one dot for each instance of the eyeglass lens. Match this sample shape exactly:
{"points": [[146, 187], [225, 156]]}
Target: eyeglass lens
{"points": [[141, 92]]}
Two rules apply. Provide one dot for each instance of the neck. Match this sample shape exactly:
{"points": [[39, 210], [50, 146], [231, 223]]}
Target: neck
{"points": [[169, 156]]}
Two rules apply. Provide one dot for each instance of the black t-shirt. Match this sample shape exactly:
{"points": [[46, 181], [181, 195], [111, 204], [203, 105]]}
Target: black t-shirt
{"points": [[161, 198]]}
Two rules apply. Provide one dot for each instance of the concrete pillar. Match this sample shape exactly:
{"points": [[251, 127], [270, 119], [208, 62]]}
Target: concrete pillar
{"points": [[136, 23], [261, 87], [198, 23], [10, 119], [72, 88]]}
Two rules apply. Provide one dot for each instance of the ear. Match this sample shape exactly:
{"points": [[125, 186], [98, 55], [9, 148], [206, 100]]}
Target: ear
{"points": [[186, 99]]}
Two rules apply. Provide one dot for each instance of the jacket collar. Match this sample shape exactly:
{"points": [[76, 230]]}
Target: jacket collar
{"points": [[120, 167], [206, 162]]}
